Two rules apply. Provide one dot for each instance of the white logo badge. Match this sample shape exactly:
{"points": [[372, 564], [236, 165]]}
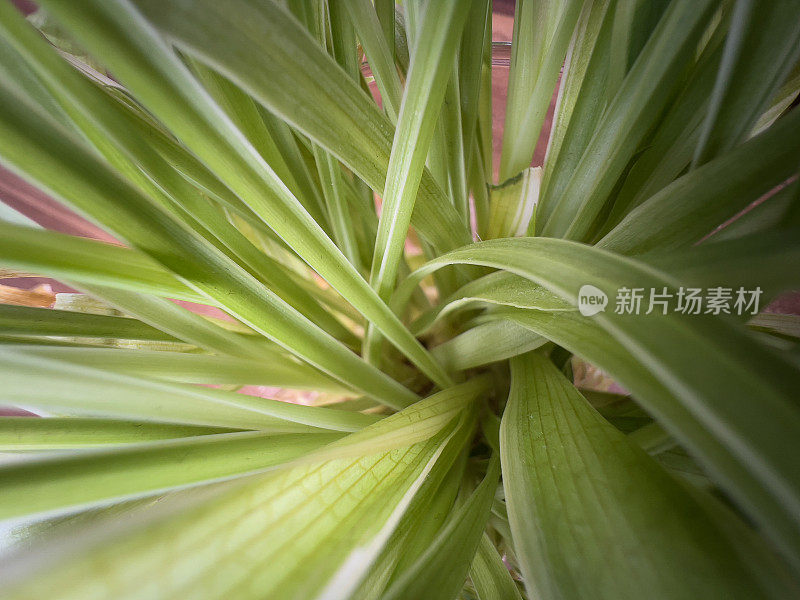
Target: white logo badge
{"points": [[591, 300]]}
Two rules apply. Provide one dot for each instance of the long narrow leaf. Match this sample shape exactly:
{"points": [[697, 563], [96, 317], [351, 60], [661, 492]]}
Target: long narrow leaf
{"points": [[490, 575], [94, 477], [440, 572], [61, 433], [30, 321], [73, 172], [329, 519], [634, 109], [273, 369], [330, 109], [582, 98], [591, 514], [434, 53], [762, 47], [706, 197], [144, 62], [81, 389], [671, 346], [542, 31]]}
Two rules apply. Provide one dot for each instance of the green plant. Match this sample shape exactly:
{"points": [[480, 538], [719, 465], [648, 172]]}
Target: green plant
{"points": [[235, 153]]}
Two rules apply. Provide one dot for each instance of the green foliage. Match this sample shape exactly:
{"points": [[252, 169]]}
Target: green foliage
{"points": [[439, 417]]}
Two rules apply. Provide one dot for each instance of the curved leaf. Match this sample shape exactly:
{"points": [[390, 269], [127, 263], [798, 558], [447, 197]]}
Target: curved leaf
{"points": [[48, 153], [755, 467], [440, 572], [59, 433], [591, 514], [94, 477], [327, 520], [693, 205], [144, 62], [330, 109]]}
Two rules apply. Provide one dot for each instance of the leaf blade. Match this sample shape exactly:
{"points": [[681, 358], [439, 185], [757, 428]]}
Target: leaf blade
{"points": [[556, 455]]}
